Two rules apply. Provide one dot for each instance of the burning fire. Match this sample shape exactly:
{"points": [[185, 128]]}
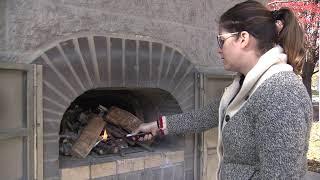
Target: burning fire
{"points": [[105, 135]]}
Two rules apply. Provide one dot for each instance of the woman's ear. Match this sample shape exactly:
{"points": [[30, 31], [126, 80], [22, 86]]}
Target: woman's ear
{"points": [[244, 39]]}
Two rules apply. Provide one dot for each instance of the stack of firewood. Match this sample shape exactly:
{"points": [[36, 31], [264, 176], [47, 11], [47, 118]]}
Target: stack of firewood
{"points": [[99, 132]]}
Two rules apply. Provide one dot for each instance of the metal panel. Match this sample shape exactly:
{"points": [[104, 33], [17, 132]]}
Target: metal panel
{"points": [[211, 87], [12, 104], [17, 121], [38, 120], [197, 137], [12, 157]]}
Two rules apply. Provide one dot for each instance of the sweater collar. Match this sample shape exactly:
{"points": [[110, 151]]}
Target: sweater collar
{"points": [[272, 57]]}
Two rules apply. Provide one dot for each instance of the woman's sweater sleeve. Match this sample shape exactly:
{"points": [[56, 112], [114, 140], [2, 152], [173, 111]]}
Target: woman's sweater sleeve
{"points": [[194, 121]]}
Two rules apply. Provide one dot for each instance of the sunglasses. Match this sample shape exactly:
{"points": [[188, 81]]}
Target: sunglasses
{"points": [[221, 38]]}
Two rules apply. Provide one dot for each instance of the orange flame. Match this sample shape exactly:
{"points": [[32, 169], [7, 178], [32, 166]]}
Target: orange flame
{"points": [[105, 135]]}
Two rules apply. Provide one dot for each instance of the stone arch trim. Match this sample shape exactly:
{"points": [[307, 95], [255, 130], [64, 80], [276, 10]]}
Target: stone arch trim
{"points": [[76, 65]]}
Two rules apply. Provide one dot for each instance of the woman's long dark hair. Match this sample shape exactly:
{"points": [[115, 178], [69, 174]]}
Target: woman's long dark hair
{"points": [[257, 20]]}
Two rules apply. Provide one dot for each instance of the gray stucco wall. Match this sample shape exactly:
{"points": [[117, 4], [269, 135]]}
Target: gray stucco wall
{"points": [[28, 27]]}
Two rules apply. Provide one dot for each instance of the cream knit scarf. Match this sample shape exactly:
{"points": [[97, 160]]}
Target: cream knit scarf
{"points": [[270, 63]]}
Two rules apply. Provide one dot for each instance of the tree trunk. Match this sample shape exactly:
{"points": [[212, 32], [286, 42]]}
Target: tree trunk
{"points": [[307, 72]]}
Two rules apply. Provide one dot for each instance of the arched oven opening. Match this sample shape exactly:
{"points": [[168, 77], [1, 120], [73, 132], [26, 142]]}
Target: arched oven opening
{"points": [[147, 104]]}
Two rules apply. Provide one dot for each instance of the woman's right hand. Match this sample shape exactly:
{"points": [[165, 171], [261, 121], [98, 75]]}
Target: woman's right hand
{"points": [[150, 128]]}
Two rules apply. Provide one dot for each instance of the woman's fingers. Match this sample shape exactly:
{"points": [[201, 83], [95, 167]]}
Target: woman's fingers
{"points": [[151, 130], [146, 137], [136, 131]]}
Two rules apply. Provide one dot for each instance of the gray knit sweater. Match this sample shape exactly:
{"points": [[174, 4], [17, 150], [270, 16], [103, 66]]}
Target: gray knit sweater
{"points": [[267, 138]]}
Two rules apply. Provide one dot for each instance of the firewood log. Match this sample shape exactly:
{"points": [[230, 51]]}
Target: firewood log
{"points": [[88, 137], [123, 119]]}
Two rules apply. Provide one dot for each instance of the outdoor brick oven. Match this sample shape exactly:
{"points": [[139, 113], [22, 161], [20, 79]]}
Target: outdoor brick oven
{"points": [[147, 57], [146, 78]]}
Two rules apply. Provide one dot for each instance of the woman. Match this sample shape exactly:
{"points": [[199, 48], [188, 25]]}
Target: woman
{"points": [[264, 116]]}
